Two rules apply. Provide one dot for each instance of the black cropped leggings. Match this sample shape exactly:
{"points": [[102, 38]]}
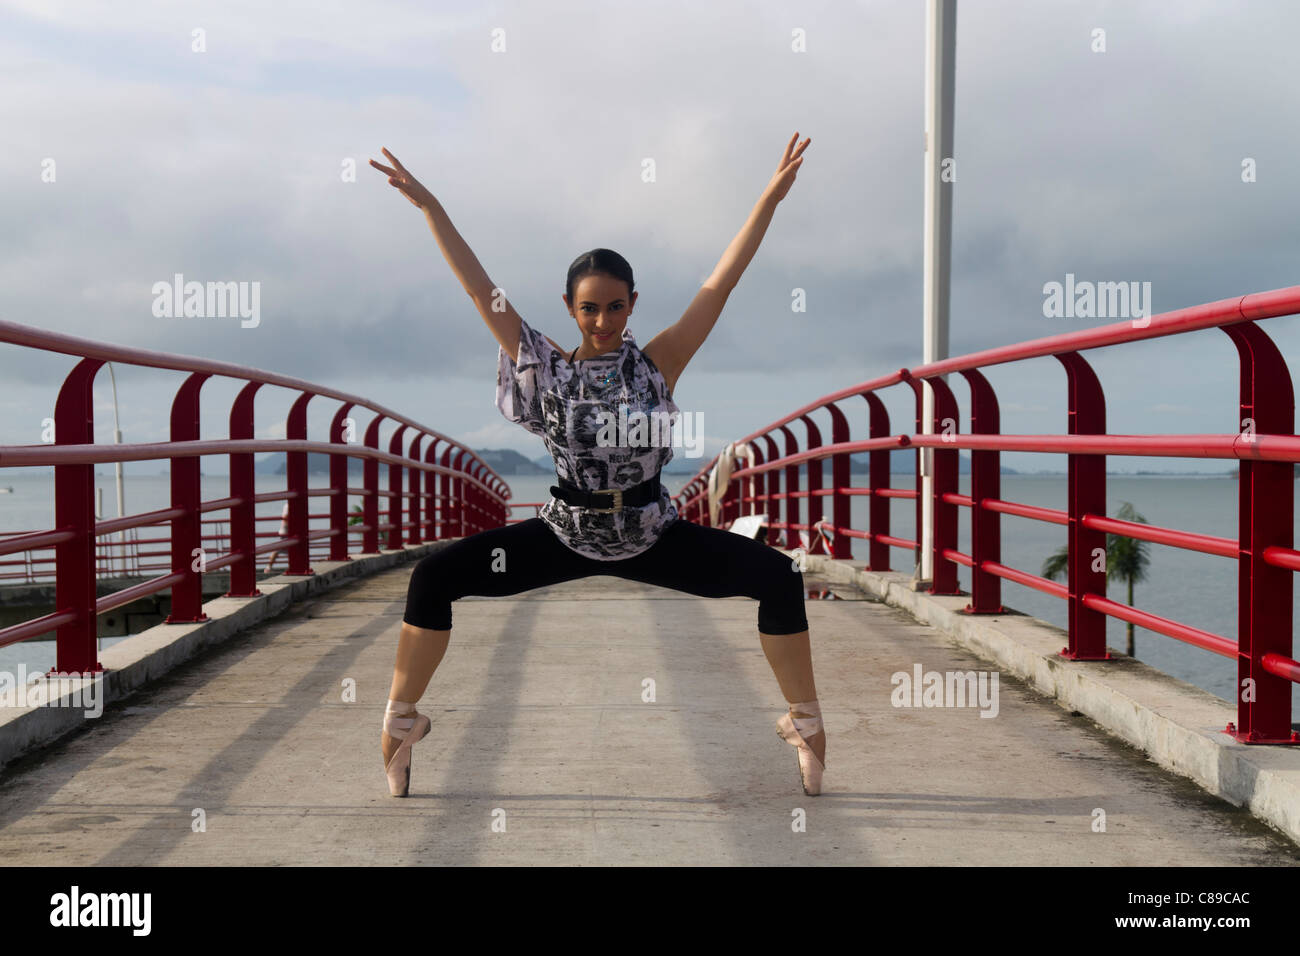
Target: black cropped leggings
{"points": [[707, 562]]}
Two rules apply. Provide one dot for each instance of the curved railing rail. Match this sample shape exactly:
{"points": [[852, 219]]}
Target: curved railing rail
{"points": [[471, 496], [1266, 446]]}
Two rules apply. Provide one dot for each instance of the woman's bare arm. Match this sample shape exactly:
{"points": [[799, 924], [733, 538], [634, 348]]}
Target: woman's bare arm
{"points": [[672, 348], [489, 299]]}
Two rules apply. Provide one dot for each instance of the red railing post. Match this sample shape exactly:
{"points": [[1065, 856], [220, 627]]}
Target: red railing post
{"points": [[489, 507], [477, 499], [985, 485], [791, 486], [1266, 509], [773, 490], [370, 481], [188, 556], [943, 513], [841, 478], [468, 499], [484, 498], [449, 495], [76, 646], [460, 515], [732, 500], [243, 486], [1087, 495], [395, 510], [296, 468], [432, 505], [879, 464], [757, 484], [727, 494], [459, 502], [481, 500], [413, 487], [342, 430], [745, 498], [816, 470]]}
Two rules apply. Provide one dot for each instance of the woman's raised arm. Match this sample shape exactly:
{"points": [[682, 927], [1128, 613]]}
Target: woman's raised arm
{"points": [[672, 348], [497, 312]]}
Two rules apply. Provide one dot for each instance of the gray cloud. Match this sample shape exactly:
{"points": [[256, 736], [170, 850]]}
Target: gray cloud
{"points": [[226, 165]]}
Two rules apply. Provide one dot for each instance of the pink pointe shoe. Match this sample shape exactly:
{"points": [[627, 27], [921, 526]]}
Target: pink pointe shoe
{"points": [[403, 722], [794, 730]]}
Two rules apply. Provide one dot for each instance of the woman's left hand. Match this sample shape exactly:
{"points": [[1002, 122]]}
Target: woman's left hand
{"points": [[783, 178]]}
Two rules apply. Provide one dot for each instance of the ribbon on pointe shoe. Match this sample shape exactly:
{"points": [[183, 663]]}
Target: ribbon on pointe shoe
{"points": [[807, 726], [399, 718]]}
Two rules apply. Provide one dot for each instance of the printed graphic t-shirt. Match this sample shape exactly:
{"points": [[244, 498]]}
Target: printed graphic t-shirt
{"points": [[575, 408]]}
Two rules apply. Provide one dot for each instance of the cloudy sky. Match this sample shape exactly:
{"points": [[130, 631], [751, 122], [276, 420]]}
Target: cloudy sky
{"points": [[531, 123]]}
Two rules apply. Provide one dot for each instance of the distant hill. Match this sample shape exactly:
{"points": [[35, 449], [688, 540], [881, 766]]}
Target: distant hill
{"points": [[318, 463], [506, 462]]}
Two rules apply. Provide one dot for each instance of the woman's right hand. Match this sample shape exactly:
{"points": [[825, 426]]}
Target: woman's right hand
{"points": [[407, 184]]}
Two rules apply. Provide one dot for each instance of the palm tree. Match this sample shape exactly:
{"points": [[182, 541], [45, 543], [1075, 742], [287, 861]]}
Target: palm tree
{"points": [[1126, 559]]}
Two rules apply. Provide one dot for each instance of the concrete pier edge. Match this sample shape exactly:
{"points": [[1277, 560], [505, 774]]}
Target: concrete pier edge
{"points": [[1178, 725], [135, 661]]}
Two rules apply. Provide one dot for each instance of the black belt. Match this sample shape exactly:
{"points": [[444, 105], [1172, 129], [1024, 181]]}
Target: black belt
{"points": [[616, 499]]}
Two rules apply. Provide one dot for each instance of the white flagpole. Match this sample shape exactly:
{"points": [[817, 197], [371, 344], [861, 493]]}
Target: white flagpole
{"points": [[940, 64]]}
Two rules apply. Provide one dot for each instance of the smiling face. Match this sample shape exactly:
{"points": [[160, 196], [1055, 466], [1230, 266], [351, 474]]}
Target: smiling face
{"points": [[601, 307]]}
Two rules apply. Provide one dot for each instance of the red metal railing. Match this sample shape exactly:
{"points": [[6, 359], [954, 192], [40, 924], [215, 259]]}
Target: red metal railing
{"points": [[138, 555], [471, 497], [1266, 446]]}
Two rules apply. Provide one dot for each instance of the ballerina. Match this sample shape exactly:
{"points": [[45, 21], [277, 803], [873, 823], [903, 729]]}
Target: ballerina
{"points": [[603, 517]]}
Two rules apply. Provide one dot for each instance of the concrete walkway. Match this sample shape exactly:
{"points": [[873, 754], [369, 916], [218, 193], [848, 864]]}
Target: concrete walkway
{"points": [[544, 752]]}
